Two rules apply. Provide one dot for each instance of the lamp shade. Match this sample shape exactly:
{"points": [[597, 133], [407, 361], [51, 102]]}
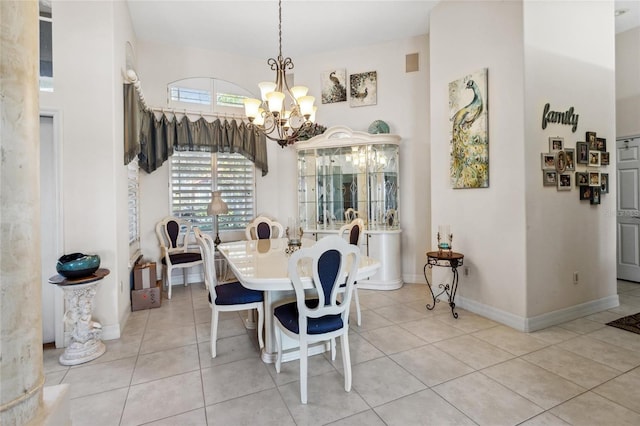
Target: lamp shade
{"points": [[217, 205]]}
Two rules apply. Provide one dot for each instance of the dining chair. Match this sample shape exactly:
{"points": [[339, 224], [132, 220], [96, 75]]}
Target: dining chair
{"points": [[330, 262], [354, 232], [351, 214], [263, 228], [174, 236], [229, 297]]}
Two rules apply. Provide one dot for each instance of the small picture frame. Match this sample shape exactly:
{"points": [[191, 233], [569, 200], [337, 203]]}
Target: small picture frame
{"points": [[604, 183], [561, 161], [571, 155], [556, 144], [564, 182], [582, 179], [601, 144], [590, 137], [594, 179], [583, 153], [548, 161], [604, 158], [585, 192], [594, 158], [595, 195], [549, 178]]}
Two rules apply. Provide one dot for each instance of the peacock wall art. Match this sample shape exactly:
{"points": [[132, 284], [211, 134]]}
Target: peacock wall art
{"points": [[469, 131]]}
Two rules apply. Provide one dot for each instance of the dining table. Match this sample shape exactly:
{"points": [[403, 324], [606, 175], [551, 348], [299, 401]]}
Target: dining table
{"points": [[263, 265]]}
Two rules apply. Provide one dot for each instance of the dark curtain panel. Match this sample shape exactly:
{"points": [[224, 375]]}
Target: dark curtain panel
{"points": [[132, 123], [154, 140]]}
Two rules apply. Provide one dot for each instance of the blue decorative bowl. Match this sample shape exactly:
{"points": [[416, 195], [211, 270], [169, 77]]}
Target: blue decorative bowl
{"points": [[77, 265]]}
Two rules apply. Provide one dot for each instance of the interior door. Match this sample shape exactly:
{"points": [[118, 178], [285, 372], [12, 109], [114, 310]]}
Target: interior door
{"points": [[628, 208]]}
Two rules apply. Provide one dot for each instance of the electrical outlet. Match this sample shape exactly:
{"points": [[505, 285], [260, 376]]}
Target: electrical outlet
{"points": [[575, 277], [466, 271]]}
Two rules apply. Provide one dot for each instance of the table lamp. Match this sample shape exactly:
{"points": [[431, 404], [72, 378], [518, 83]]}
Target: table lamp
{"points": [[217, 206]]}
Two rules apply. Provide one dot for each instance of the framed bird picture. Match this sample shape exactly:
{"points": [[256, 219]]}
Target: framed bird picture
{"points": [[469, 120], [363, 89], [334, 86]]}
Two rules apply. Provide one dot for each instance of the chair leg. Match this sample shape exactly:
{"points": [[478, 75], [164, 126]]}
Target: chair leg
{"points": [[278, 334], [167, 280], [346, 361], [304, 359], [214, 330], [358, 314], [184, 276], [260, 310], [332, 343]]}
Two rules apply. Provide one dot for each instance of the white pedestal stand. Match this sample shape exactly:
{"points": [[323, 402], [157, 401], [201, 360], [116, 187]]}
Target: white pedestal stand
{"points": [[85, 344]]}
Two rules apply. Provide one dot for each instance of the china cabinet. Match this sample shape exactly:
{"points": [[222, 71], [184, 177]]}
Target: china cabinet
{"points": [[344, 174]]}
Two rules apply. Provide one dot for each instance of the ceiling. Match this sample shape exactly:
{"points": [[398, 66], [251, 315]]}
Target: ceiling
{"points": [[250, 28]]}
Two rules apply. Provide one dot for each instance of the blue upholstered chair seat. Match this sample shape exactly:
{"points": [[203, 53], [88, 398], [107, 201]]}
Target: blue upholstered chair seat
{"points": [[288, 316], [177, 258], [236, 294]]}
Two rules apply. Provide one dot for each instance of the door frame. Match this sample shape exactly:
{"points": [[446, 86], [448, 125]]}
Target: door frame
{"points": [[58, 233]]}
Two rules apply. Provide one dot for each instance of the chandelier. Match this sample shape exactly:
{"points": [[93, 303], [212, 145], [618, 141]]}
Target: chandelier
{"points": [[271, 115]]}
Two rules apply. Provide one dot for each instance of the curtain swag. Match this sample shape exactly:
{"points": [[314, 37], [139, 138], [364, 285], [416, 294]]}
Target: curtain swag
{"points": [[154, 139]]}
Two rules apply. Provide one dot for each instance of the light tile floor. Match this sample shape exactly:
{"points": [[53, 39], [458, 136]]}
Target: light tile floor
{"points": [[410, 366]]}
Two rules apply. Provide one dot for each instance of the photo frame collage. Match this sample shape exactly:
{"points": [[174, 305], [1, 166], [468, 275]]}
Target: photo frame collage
{"points": [[363, 87], [559, 163]]}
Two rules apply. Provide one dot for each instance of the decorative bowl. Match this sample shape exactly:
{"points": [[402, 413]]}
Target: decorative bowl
{"points": [[377, 127], [78, 265]]}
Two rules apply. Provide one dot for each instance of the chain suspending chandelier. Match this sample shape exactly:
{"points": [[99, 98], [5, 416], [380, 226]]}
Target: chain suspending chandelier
{"points": [[271, 115]]}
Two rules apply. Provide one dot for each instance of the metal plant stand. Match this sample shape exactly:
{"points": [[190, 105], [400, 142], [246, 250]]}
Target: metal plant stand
{"points": [[447, 259]]}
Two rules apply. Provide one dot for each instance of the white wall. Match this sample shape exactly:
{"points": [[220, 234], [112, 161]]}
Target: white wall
{"points": [[565, 234], [523, 241], [88, 53], [627, 87], [402, 102], [488, 224]]}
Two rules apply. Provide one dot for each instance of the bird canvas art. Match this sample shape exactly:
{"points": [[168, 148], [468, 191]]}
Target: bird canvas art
{"points": [[363, 89], [334, 86], [469, 131]]}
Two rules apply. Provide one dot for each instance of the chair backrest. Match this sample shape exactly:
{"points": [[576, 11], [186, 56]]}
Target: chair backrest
{"points": [[173, 233], [350, 214], [391, 217], [330, 262], [263, 228], [353, 232], [207, 250]]}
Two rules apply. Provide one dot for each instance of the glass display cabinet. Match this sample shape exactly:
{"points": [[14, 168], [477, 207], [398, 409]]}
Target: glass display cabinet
{"points": [[344, 174]]}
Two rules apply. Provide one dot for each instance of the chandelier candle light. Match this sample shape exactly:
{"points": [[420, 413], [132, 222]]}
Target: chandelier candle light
{"points": [[270, 115], [216, 207]]}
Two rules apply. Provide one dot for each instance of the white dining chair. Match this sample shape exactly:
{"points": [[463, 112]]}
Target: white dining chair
{"points": [[226, 297], [174, 237], [354, 233], [331, 262], [263, 228]]}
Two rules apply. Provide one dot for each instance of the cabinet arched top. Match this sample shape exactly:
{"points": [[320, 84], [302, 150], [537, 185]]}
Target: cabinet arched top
{"points": [[344, 136]]}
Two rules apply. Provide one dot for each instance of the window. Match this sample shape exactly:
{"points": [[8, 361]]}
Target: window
{"points": [[194, 96], [133, 206], [195, 174], [46, 47]]}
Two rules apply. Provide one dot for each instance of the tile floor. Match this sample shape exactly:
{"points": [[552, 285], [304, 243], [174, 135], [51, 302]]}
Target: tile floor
{"points": [[410, 366]]}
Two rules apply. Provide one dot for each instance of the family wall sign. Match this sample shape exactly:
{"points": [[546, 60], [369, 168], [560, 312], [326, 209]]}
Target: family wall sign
{"points": [[567, 117]]}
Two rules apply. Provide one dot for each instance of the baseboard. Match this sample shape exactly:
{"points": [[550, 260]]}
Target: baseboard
{"points": [[111, 332], [413, 278], [568, 314], [539, 322]]}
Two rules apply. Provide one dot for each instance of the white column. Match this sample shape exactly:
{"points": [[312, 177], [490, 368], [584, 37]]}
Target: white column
{"points": [[20, 313]]}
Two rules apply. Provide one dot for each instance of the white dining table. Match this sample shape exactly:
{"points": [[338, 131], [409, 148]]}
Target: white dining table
{"points": [[263, 265]]}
